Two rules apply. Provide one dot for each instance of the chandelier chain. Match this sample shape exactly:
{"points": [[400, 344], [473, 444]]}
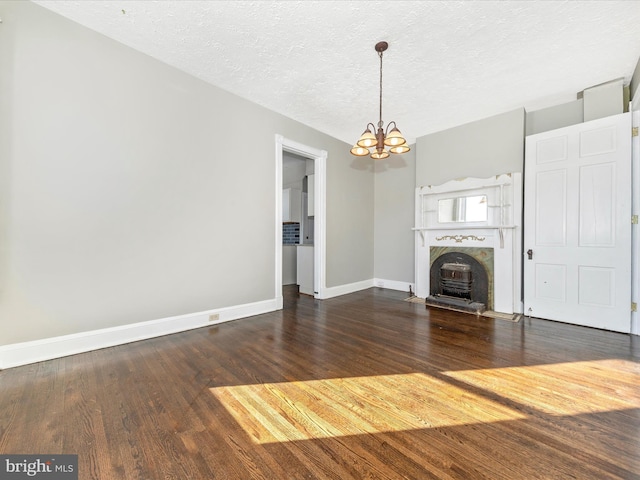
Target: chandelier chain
{"points": [[380, 118]]}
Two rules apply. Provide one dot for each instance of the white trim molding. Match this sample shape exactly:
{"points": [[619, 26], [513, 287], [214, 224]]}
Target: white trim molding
{"points": [[635, 228], [330, 292], [394, 285], [319, 157], [347, 288], [17, 354]]}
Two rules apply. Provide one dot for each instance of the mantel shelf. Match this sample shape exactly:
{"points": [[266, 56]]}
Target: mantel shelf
{"points": [[463, 189], [466, 227]]}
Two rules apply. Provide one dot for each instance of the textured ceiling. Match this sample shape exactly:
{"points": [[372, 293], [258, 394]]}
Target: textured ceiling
{"points": [[448, 63]]}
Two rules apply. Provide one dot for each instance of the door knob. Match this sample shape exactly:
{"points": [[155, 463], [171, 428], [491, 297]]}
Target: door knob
{"points": [[530, 254]]}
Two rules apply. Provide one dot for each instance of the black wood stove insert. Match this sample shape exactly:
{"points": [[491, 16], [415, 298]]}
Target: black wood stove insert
{"points": [[459, 282]]}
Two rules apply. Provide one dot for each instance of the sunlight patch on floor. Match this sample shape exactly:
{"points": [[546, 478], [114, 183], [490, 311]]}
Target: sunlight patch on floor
{"points": [[563, 388], [289, 411]]}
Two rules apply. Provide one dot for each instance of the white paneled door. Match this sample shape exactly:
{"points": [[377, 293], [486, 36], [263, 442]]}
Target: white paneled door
{"points": [[577, 226]]}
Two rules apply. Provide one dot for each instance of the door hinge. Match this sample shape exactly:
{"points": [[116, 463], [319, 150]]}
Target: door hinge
{"points": [[634, 131], [634, 307], [634, 219]]}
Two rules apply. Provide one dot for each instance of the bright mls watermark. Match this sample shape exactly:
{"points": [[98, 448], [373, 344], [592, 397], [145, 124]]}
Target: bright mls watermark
{"points": [[49, 467]]}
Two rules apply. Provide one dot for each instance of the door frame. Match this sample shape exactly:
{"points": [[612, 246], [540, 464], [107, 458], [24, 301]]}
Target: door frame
{"points": [[319, 158], [635, 228]]}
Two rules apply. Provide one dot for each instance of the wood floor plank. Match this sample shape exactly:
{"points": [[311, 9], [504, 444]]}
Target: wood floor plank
{"points": [[359, 386]]}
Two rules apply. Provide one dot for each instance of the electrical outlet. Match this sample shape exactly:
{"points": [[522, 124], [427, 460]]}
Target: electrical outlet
{"points": [[213, 317]]}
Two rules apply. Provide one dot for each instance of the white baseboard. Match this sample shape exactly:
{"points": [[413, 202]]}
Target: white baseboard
{"points": [[17, 354], [331, 292], [394, 285]]}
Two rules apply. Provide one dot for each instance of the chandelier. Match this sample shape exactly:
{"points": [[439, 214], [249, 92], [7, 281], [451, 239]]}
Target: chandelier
{"points": [[392, 139]]}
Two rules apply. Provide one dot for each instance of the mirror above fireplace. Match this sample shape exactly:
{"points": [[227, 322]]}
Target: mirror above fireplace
{"points": [[462, 209]]}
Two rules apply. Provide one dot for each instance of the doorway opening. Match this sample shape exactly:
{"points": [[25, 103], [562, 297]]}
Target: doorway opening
{"points": [[318, 198]]}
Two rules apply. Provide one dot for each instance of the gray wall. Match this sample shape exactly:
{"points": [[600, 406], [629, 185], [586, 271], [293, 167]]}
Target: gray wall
{"points": [[129, 192], [395, 180], [558, 116], [293, 171], [350, 240], [604, 100], [479, 149], [597, 102]]}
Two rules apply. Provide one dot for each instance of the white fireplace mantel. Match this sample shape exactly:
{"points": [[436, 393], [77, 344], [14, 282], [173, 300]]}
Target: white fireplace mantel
{"points": [[501, 231]]}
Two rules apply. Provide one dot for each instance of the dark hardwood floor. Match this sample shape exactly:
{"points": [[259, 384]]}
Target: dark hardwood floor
{"points": [[360, 386]]}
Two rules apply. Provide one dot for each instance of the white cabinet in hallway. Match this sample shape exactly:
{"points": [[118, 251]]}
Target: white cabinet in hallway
{"points": [[305, 268], [291, 205], [289, 262]]}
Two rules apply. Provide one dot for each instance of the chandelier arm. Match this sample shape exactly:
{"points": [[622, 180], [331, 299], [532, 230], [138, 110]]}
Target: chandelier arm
{"points": [[386, 132]]}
